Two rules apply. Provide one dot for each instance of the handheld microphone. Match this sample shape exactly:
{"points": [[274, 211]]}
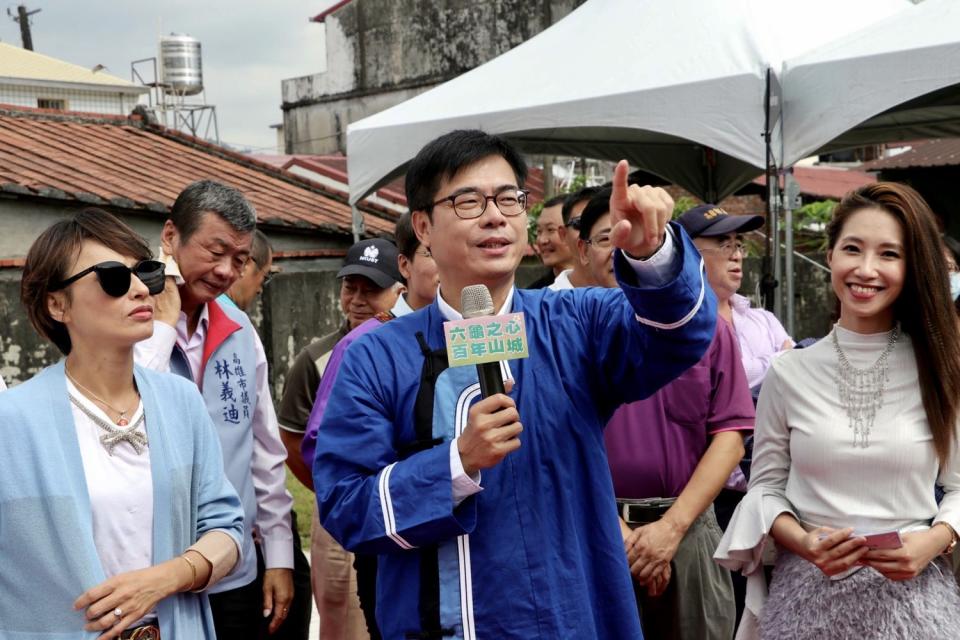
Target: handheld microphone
{"points": [[475, 301]]}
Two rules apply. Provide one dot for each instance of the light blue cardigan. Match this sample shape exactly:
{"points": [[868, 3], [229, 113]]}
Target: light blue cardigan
{"points": [[47, 553]]}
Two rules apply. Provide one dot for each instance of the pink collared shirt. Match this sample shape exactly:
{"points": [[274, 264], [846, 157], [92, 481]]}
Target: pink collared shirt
{"points": [[269, 455], [761, 338]]}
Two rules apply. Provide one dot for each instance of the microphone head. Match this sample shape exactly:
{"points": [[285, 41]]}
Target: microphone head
{"points": [[475, 301]]}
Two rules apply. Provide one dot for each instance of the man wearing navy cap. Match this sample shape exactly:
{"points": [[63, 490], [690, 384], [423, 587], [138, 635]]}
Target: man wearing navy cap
{"points": [[719, 237]]}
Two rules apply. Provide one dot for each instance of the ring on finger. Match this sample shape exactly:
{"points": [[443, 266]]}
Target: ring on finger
{"points": [[118, 612]]}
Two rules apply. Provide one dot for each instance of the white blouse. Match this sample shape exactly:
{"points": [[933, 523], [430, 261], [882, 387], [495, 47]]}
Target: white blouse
{"points": [[121, 492], [805, 462]]}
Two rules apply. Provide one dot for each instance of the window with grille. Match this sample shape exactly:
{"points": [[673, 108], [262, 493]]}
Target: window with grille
{"points": [[52, 103]]}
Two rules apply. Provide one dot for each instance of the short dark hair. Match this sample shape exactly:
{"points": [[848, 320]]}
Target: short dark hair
{"points": [[555, 200], [204, 196], [52, 253], [443, 157], [577, 196], [260, 250], [599, 205], [407, 240]]}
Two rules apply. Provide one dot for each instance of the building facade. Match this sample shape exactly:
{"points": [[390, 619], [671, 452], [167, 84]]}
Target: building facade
{"points": [[382, 52]]}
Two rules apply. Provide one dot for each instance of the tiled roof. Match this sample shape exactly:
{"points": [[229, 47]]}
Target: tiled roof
{"points": [[334, 166], [827, 182], [125, 162], [939, 152], [16, 62]]}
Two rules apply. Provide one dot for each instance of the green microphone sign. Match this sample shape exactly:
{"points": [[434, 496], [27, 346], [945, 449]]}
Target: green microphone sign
{"points": [[485, 339]]}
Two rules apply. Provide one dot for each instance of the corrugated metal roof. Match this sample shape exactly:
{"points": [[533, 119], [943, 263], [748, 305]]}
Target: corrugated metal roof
{"points": [[124, 162], [938, 152], [16, 62], [827, 182]]}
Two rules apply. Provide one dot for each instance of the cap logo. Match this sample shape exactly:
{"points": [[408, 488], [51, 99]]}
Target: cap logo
{"points": [[713, 213], [371, 254]]}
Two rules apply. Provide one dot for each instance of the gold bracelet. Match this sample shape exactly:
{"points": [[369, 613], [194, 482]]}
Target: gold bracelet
{"points": [[948, 550], [193, 568]]}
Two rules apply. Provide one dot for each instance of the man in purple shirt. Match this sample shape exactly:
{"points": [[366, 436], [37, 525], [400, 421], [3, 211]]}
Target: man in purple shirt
{"points": [[669, 457]]}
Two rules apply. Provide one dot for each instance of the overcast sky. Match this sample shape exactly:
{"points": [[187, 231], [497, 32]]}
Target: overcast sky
{"points": [[248, 48]]}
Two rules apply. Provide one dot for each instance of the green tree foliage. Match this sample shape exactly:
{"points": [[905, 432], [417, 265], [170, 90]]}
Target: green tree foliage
{"points": [[809, 225], [683, 204]]}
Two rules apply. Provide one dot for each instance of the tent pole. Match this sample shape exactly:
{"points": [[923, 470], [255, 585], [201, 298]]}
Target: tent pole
{"points": [[791, 192], [776, 235], [768, 283]]}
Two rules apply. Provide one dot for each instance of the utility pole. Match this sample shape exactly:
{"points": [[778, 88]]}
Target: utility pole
{"points": [[23, 18]]}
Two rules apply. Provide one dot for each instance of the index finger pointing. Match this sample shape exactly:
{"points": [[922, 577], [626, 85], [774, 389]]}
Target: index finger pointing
{"points": [[619, 196]]}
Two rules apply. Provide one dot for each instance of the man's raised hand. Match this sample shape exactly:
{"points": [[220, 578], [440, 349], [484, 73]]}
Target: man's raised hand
{"points": [[639, 215]]}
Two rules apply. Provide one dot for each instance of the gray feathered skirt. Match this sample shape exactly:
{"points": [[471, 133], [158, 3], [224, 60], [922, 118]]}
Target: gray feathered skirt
{"points": [[803, 603]]}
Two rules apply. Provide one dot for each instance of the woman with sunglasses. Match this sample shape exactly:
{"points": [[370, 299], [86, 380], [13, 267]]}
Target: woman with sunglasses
{"points": [[851, 436], [115, 513]]}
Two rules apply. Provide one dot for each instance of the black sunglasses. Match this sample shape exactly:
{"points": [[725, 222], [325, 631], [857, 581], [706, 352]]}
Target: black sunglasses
{"points": [[114, 277]]}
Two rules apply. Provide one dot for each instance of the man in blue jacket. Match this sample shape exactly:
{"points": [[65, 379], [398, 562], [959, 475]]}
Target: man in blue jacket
{"points": [[483, 532]]}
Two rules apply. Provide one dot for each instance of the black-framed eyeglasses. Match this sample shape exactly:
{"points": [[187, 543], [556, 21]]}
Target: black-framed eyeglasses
{"points": [[114, 277], [600, 241], [472, 204]]}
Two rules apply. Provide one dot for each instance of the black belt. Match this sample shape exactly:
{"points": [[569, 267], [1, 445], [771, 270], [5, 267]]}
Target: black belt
{"points": [[644, 511], [143, 632]]}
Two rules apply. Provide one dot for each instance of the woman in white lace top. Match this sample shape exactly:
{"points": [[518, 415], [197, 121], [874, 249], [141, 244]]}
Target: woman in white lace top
{"points": [[852, 434]]}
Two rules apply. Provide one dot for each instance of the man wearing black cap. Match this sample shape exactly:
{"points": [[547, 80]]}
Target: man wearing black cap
{"points": [[719, 237], [370, 282]]}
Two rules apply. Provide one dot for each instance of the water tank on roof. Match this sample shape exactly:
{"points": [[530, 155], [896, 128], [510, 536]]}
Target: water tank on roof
{"points": [[180, 68]]}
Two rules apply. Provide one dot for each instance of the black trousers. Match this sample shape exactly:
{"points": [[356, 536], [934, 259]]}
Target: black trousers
{"points": [[238, 613], [366, 568], [725, 504]]}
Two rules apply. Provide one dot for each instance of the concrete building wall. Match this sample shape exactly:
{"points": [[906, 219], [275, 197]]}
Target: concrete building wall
{"points": [[395, 49]]}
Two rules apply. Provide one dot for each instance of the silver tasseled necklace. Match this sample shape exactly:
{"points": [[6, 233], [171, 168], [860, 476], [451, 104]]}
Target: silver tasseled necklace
{"points": [[861, 390]]}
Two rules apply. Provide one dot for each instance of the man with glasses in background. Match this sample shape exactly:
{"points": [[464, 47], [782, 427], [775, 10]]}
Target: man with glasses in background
{"points": [[719, 237], [551, 242], [483, 531]]}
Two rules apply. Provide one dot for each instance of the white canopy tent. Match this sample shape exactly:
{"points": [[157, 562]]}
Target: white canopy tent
{"points": [[897, 79], [674, 86]]}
